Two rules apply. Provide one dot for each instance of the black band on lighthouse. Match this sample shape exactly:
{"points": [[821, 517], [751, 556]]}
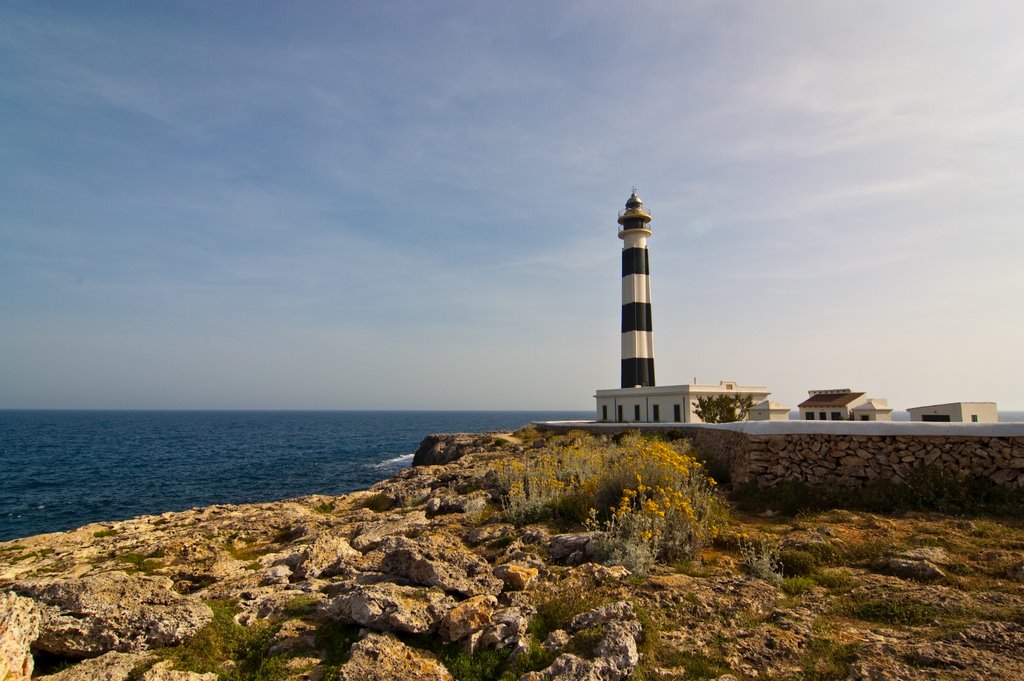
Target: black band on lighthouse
{"points": [[634, 261], [636, 317], [637, 371]]}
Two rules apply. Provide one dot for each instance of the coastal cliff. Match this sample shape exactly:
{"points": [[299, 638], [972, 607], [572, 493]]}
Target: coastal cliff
{"points": [[436, 574]]}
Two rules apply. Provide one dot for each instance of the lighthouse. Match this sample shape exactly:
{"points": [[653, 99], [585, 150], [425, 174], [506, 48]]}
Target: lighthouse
{"points": [[639, 400], [637, 332]]}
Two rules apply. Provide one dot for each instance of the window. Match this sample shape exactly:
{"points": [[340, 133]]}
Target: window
{"points": [[604, 412], [636, 412], [822, 416], [677, 412], [837, 416], [657, 413], [809, 416], [620, 413], [863, 417], [974, 418]]}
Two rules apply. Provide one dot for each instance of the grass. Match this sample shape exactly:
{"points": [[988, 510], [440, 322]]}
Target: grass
{"points": [[894, 609], [137, 562], [827, 660], [325, 508], [378, 503], [100, 534], [301, 606], [334, 640], [224, 639]]}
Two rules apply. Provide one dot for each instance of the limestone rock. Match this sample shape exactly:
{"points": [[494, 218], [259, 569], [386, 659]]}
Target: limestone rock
{"points": [[473, 502], [919, 564], [324, 552], [467, 617], [571, 548], [516, 577], [615, 655], [275, 574], [108, 667], [446, 565], [19, 627], [382, 657], [162, 672], [111, 612], [442, 448], [921, 570], [369, 535], [390, 607]]}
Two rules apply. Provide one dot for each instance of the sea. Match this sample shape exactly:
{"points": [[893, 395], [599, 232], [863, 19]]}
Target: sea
{"points": [[63, 469]]}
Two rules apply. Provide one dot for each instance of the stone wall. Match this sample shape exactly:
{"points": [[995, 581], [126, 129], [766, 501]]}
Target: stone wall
{"points": [[854, 460], [846, 453]]}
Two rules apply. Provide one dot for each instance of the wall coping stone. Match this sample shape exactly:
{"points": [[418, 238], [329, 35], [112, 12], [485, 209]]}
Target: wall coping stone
{"points": [[872, 428]]}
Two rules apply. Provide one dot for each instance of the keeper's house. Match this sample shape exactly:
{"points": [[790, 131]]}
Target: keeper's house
{"points": [[842, 404], [667, 403], [957, 412]]}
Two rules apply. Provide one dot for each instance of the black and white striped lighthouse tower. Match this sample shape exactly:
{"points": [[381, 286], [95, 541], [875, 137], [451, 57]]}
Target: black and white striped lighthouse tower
{"points": [[637, 336]]}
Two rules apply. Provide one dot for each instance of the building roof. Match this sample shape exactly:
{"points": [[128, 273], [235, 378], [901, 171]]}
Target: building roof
{"points": [[947, 404], [829, 400], [770, 405]]}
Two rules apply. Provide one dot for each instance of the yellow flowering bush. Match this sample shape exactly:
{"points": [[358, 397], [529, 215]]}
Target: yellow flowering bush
{"points": [[650, 499]]}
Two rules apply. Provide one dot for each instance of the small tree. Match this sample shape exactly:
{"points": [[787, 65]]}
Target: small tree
{"points": [[723, 408]]}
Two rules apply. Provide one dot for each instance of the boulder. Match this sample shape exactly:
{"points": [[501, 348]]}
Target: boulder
{"points": [[111, 611], [572, 548], [108, 667], [467, 617], [442, 448], [615, 656], [324, 552], [390, 607], [516, 577], [19, 627], [162, 672], [431, 561], [382, 657]]}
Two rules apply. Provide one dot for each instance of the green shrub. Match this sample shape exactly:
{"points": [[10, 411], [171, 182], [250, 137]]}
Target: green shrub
{"points": [[794, 586], [797, 563], [100, 534]]}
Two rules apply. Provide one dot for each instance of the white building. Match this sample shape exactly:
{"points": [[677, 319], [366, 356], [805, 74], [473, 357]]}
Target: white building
{"points": [[875, 409], [768, 410], [957, 412], [830, 405], [666, 403]]}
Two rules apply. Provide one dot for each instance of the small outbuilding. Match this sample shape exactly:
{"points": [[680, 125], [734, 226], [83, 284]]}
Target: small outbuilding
{"points": [[957, 412], [768, 410], [875, 409]]}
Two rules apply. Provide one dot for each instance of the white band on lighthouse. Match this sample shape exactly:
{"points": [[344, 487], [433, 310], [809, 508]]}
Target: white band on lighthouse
{"points": [[637, 330]]}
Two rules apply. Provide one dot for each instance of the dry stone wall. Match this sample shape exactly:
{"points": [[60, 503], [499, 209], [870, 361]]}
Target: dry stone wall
{"points": [[851, 454], [854, 460]]}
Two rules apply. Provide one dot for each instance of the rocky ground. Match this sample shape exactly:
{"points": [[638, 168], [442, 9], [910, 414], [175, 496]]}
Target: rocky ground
{"points": [[420, 577]]}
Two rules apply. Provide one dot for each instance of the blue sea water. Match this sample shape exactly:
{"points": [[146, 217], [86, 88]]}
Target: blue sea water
{"points": [[63, 469]]}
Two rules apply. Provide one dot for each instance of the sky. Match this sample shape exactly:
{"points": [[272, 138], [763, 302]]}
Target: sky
{"points": [[411, 205]]}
